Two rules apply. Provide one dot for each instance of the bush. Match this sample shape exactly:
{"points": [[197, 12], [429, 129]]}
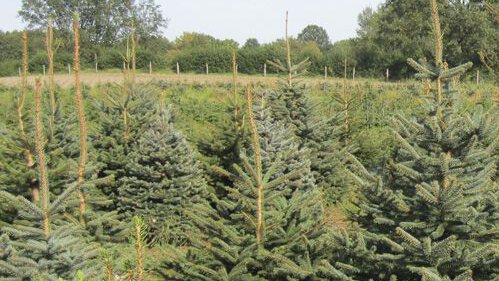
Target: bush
{"points": [[111, 58], [9, 67], [219, 59]]}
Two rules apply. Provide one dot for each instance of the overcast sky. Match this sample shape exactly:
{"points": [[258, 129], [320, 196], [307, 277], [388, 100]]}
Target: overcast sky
{"points": [[241, 19]]}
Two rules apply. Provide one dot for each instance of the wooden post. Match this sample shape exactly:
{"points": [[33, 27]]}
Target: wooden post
{"points": [[237, 68], [207, 69], [20, 73], [178, 68], [96, 63], [387, 74], [264, 70], [325, 72], [69, 68], [43, 70], [150, 67], [478, 77], [353, 73], [124, 66]]}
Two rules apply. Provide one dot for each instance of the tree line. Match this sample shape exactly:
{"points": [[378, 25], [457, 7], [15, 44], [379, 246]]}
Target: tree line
{"points": [[386, 36]]}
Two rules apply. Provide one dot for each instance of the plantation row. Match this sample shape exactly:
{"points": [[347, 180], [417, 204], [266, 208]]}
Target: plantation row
{"points": [[172, 181]]}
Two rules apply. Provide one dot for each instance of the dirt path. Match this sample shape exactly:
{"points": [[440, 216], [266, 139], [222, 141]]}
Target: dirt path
{"points": [[93, 79]]}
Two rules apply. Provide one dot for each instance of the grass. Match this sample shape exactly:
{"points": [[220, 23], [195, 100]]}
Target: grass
{"points": [[90, 78]]}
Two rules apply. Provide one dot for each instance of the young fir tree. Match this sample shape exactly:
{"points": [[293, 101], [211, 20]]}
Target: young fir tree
{"points": [[47, 247], [434, 213], [223, 149], [321, 135], [124, 115], [162, 179], [125, 112], [268, 227], [17, 167]]}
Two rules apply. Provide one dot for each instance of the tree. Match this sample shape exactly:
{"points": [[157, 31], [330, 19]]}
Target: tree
{"points": [[315, 34], [251, 43], [431, 213], [193, 39], [123, 116], [48, 247], [391, 34], [319, 134], [162, 179], [103, 21], [269, 226]]}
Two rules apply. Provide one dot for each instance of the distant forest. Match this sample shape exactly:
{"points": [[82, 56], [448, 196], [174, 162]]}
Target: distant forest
{"points": [[385, 38]]}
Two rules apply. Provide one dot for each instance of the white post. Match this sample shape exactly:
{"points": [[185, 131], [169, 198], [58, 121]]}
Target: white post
{"points": [[150, 67], [353, 73], [237, 68], [96, 63], [20, 72], [207, 69], [43, 70], [178, 68], [69, 68], [124, 67], [478, 77], [387, 74], [264, 70], [325, 72]]}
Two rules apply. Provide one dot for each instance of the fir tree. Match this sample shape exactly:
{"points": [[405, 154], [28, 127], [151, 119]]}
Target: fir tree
{"points": [[268, 227], [223, 150], [162, 179], [320, 134], [124, 114], [432, 214], [47, 247]]}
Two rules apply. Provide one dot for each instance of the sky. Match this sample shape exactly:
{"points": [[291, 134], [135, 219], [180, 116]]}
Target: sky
{"points": [[241, 19]]}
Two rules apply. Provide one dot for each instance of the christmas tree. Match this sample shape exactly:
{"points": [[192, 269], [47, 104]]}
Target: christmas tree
{"points": [[320, 134], [431, 213], [162, 179], [43, 245], [224, 148], [269, 226]]}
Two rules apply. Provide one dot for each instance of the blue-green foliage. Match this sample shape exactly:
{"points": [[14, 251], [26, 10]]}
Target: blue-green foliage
{"points": [[162, 179]]}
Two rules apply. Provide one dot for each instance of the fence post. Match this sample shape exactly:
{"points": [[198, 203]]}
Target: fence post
{"points": [[387, 74], [69, 68], [96, 63], [43, 70], [325, 72], [150, 67], [478, 77], [178, 68], [353, 73], [264, 70], [207, 69], [20, 72]]}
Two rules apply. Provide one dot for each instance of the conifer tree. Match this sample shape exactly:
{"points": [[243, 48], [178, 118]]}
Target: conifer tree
{"points": [[431, 214], [47, 247], [223, 150], [124, 114], [162, 179], [320, 134], [268, 226]]}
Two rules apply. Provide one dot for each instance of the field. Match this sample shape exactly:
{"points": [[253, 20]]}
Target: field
{"points": [[203, 106], [93, 79], [122, 175]]}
